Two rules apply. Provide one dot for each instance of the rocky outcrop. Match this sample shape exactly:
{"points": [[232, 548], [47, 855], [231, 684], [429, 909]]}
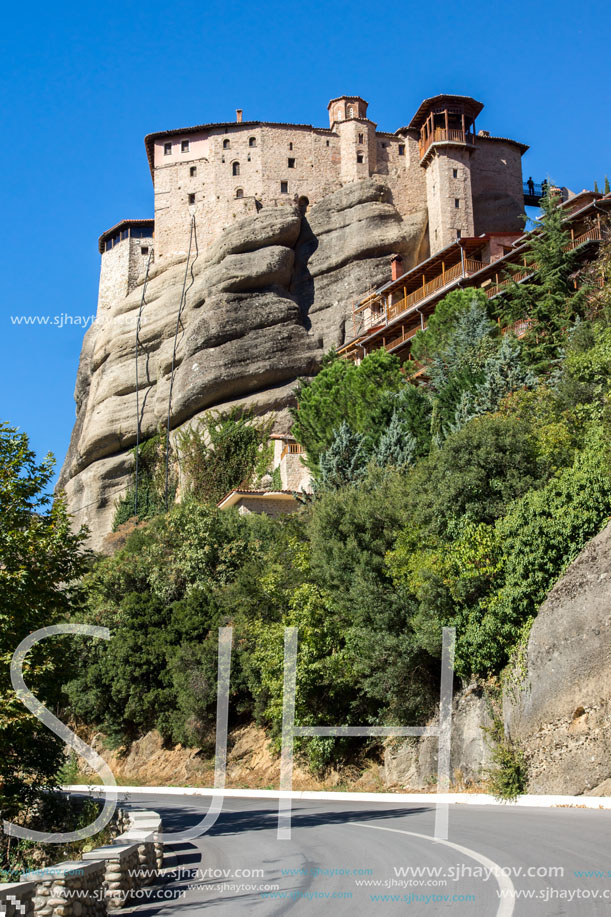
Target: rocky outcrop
{"points": [[263, 304], [560, 709], [412, 763]]}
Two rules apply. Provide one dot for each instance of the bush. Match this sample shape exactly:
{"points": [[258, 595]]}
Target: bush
{"points": [[229, 449]]}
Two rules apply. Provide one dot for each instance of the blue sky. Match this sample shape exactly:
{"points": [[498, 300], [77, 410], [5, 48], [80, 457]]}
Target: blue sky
{"points": [[82, 83]]}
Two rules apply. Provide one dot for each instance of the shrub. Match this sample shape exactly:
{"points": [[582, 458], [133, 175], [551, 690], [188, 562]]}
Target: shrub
{"points": [[227, 450]]}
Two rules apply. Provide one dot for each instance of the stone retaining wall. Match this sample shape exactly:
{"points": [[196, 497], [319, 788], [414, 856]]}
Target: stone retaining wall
{"points": [[101, 882]]}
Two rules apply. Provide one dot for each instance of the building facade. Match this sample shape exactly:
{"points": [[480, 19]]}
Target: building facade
{"points": [[468, 181]]}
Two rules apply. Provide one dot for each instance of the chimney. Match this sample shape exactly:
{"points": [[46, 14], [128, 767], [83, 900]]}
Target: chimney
{"points": [[238, 115], [396, 267]]}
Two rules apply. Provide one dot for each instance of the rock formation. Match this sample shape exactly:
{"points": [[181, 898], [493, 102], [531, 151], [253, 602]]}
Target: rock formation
{"points": [[263, 304], [556, 697], [560, 711]]}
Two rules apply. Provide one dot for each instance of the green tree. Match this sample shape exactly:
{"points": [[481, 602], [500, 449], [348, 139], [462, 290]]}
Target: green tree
{"points": [[434, 339], [397, 446], [344, 462], [459, 366], [548, 299], [341, 392], [229, 449], [503, 373], [40, 558]]}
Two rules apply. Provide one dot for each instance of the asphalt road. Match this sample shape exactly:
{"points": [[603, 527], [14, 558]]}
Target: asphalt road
{"points": [[354, 858]]}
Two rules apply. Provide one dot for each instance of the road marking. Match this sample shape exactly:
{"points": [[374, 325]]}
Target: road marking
{"points": [[424, 799], [506, 886]]}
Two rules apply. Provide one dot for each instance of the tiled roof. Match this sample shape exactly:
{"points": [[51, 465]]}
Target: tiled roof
{"points": [[121, 225]]}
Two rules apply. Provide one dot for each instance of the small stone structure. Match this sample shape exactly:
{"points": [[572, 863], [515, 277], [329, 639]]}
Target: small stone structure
{"points": [[270, 502], [103, 880]]}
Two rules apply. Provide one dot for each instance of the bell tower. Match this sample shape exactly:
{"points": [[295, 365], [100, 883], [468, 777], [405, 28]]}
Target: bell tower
{"points": [[446, 126], [357, 137]]}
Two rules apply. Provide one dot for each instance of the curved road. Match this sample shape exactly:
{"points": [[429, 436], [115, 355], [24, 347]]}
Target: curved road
{"points": [[354, 858]]}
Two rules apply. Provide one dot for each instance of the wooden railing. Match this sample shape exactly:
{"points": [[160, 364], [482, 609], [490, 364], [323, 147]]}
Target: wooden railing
{"points": [[593, 234], [451, 135], [402, 337], [292, 449], [453, 273]]}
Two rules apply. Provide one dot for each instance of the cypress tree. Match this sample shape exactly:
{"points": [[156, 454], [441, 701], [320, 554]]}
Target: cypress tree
{"points": [[548, 298]]}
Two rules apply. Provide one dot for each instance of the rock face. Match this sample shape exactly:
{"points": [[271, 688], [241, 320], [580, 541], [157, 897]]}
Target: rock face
{"points": [[561, 710], [263, 304], [412, 764]]}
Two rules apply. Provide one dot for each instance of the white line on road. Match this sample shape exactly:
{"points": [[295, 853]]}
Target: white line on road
{"points": [[506, 886], [468, 799]]}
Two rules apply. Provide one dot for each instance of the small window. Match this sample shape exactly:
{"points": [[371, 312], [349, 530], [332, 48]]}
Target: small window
{"points": [[167, 149], [239, 192], [327, 143], [351, 112], [193, 171], [291, 163], [401, 149], [458, 233], [359, 157], [252, 141], [456, 203], [248, 157], [236, 168], [454, 173], [284, 187], [290, 146], [191, 198], [435, 235], [360, 138], [144, 250], [226, 144], [185, 146]]}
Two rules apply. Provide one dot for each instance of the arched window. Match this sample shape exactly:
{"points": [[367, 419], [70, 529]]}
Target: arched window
{"points": [[351, 112], [226, 144], [236, 168], [239, 192], [252, 141]]}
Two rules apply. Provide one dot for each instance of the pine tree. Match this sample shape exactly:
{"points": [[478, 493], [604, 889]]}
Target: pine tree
{"points": [[503, 373], [344, 462], [397, 445], [548, 299], [607, 188], [460, 367], [596, 187]]}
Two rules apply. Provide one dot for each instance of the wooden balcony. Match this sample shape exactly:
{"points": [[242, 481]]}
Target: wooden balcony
{"points": [[593, 234], [462, 269], [292, 449], [445, 135]]}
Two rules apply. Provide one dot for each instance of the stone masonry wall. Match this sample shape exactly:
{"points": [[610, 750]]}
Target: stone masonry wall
{"points": [[496, 182], [448, 180], [105, 879]]}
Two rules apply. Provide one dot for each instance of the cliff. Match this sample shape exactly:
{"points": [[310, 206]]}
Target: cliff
{"points": [[560, 712], [264, 303]]}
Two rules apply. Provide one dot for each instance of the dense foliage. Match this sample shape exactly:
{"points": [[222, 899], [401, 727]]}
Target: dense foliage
{"points": [[39, 558], [456, 503]]}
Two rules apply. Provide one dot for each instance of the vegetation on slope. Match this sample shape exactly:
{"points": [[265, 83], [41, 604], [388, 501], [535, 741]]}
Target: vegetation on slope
{"points": [[459, 502]]}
